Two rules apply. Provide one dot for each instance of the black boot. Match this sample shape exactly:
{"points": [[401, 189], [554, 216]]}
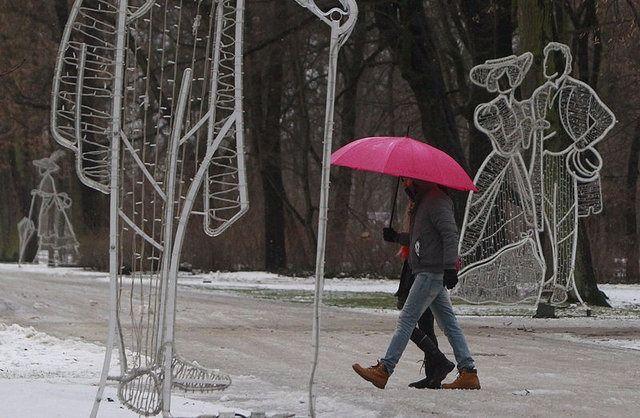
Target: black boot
{"points": [[423, 383], [435, 375], [437, 366]]}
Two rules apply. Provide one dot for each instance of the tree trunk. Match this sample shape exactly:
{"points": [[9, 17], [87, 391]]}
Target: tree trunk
{"points": [[405, 31], [270, 163], [585, 274], [341, 183], [632, 274], [266, 92], [350, 67], [490, 35], [303, 157]]}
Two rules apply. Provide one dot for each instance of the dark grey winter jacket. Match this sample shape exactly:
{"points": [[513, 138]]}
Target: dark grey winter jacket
{"points": [[433, 239]]}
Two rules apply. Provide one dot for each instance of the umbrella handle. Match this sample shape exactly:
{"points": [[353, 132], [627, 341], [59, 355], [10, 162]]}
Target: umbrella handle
{"points": [[395, 194], [393, 204]]}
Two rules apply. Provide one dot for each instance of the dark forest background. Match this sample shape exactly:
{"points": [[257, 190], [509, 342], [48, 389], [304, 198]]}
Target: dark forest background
{"points": [[404, 69]]}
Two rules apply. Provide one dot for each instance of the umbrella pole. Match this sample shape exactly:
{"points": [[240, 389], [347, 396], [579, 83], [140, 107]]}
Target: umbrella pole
{"points": [[393, 204], [395, 194]]}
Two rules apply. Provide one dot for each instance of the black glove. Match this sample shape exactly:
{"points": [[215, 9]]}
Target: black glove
{"points": [[450, 279], [389, 235]]}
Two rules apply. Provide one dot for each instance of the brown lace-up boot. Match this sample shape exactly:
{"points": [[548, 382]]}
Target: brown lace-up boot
{"points": [[377, 374], [467, 379]]}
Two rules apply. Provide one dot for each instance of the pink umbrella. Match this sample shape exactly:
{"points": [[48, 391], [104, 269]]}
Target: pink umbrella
{"points": [[403, 157]]}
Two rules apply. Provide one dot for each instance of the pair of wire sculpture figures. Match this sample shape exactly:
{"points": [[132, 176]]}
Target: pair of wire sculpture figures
{"points": [[500, 245], [148, 95]]}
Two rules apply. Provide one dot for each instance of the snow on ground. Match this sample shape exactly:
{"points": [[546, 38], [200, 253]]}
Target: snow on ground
{"points": [[624, 343], [619, 343], [51, 271], [44, 376], [35, 399], [622, 295], [259, 280], [29, 354], [625, 296]]}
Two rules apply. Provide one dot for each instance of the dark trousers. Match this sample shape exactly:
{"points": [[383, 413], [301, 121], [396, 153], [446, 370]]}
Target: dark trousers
{"points": [[425, 328], [426, 321]]}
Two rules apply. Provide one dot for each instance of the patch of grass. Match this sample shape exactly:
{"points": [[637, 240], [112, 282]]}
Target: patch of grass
{"points": [[300, 296], [493, 310], [361, 300], [602, 312], [377, 300], [341, 299]]}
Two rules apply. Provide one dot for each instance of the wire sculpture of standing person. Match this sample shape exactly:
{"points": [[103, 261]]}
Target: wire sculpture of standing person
{"points": [[55, 231], [499, 247], [565, 164]]}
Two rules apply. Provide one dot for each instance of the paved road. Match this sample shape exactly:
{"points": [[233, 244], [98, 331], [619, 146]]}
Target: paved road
{"points": [[532, 371]]}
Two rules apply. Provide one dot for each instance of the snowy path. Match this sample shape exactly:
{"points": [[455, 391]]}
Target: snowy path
{"points": [[527, 367]]}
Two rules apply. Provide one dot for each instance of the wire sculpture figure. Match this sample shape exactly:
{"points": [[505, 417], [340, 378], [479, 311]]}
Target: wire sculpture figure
{"points": [[55, 232], [148, 94], [569, 165], [499, 246], [560, 185], [342, 21]]}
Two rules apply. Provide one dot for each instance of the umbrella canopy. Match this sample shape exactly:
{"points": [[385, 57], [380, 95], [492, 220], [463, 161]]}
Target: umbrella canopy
{"points": [[403, 157]]}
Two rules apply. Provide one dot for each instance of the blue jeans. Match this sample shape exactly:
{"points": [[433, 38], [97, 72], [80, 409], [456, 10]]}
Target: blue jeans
{"points": [[427, 291]]}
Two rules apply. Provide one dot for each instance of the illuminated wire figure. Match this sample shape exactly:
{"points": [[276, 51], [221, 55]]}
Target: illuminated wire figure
{"points": [[55, 231], [560, 185], [499, 244], [566, 166]]}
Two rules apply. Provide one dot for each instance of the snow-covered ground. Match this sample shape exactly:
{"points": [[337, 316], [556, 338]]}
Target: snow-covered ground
{"points": [[625, 296], [268, 281], [50, 271], [631, 344], [264, 345], [44, 376], [622, 295]]}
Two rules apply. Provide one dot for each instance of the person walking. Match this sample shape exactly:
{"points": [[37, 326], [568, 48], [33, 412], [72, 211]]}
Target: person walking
{"points": [[433, 244], [436, 365]]}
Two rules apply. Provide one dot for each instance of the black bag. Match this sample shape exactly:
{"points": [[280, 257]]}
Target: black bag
{"points": [[406, 281]]}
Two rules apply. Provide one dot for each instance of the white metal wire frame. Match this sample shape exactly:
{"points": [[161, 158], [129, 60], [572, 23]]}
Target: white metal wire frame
{"points": [[148, 94], [138, 85], [342, 21], [54, 231], [571, 173], [500, 245]]}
